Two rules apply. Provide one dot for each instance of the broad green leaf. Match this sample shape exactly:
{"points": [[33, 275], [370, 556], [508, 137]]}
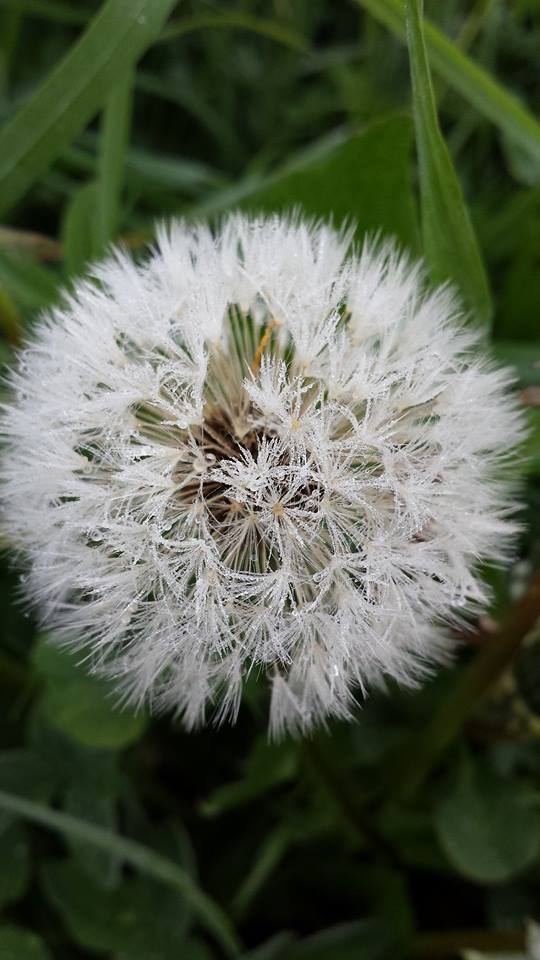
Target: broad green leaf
{"points": [[366, 178], [71, 95], [114, 138], [19, 944], [14, 864], [524, 357], [81, 705], [90, 785], [487, 825], [475, 84], [450, 245], [94, 796], [140, 857], [138, 919]]}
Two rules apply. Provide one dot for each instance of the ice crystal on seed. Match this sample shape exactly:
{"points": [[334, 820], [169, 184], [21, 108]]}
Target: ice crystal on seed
{"points": [[260, 450]]}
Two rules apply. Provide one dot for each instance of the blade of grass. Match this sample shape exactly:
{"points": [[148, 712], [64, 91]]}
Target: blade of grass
{"points": [[271, 851], [450, 245], [71, 95], [79, 229], [232, 19], [138, 856], [146, 171], [112, 159], [53, 10], [476, 85]]}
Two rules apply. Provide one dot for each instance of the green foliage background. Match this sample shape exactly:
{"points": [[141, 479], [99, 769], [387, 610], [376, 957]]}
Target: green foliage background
{"points": [[415, 831]]}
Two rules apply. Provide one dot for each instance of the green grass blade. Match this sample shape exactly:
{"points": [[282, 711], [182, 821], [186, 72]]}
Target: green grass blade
{"points": [[450, 245], [54, 10], [229, 19], [139, 857], [236, 19], [471, 81], [112, 159], [75, 90], [79, 229]]}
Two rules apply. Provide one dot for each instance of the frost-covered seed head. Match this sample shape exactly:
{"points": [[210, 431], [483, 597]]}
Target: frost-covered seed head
{"points": [[258, 451]]}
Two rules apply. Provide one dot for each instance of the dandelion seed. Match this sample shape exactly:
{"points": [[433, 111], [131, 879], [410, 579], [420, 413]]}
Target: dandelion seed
{"points": [[259, 450]]}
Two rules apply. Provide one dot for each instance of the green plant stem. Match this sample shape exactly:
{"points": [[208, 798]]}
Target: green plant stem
{"points": [[471, 686], [451, 943]]}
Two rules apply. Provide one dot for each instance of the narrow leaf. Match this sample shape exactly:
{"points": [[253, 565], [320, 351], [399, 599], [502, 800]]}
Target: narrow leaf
{"points": [[474, 83], [450, 245], [139, 857], [236, 19], [79, 229], [74, 91], [112, 160], [55, 10]]}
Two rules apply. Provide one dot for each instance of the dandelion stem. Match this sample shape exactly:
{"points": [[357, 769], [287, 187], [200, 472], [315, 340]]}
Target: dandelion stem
{"points": [[472, 684]]}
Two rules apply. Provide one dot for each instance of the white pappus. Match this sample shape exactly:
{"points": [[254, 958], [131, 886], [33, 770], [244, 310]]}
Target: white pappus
{"points": [[259, 450]]}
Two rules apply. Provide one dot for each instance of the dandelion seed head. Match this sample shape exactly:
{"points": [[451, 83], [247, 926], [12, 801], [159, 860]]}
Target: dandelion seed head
{"points": [[259, 450]]}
